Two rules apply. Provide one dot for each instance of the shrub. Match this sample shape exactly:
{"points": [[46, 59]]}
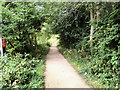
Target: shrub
{"points": [[18, 70]]}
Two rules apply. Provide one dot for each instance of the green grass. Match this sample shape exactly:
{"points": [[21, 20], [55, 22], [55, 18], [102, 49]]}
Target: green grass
{"points": [[80, 65], [37, 81]]}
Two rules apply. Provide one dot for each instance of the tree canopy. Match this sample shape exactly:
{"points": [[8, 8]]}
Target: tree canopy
{"points": [[92, 29]]}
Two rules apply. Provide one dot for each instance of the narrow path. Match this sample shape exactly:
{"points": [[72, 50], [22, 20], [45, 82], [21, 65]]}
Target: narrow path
{"points": [[59, 73]]}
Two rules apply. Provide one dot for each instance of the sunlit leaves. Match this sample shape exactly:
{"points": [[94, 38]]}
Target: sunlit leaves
{"points": [[20, 21]]}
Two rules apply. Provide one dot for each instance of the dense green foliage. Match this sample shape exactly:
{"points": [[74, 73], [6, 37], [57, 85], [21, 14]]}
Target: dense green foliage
{"points": [[21, 23], [27, 28], [21, 73], [103, 56], [73, 25], [27, 44]]}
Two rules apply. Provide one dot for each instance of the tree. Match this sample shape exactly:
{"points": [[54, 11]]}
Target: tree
{"points": [[92, 23], [20, 28]]}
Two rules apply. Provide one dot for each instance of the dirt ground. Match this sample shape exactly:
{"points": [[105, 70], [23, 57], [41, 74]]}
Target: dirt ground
{"points": [[59, 73]]}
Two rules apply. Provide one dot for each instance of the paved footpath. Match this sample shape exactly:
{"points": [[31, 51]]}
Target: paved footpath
{"points": [[59, 73]]}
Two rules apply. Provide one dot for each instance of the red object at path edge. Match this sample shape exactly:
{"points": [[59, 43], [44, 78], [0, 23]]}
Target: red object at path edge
{"points": [[3, 42]]}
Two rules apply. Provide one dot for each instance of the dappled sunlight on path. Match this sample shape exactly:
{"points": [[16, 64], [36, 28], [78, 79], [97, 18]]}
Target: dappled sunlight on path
{"points": [[59, 73]]}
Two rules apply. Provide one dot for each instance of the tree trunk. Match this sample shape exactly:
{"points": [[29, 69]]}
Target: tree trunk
{"points": [[92, 27]]}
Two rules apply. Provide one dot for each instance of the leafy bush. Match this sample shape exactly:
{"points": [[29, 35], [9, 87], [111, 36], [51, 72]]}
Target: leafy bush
{"points": [[21, 23], [18, 69], [19, 72], [103, 55], [106, 71]]}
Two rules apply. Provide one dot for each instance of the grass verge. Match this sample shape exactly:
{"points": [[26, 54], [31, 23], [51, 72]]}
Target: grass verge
{"points": [[80, 66], [37, 81]]}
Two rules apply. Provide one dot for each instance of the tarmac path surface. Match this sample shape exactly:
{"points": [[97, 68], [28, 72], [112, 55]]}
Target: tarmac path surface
{"points": [[59, 73]]}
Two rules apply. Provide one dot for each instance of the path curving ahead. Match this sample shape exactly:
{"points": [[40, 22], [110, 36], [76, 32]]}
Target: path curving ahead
{"points": [[59, 73]]}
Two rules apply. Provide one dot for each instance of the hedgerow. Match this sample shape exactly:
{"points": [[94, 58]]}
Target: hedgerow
{"points": [[103, 55], [20, 71], [22, 24]]}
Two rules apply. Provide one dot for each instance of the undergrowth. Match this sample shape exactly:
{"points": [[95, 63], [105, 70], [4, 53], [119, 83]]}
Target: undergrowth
{"points": [[85, 66], [24, 71]]}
